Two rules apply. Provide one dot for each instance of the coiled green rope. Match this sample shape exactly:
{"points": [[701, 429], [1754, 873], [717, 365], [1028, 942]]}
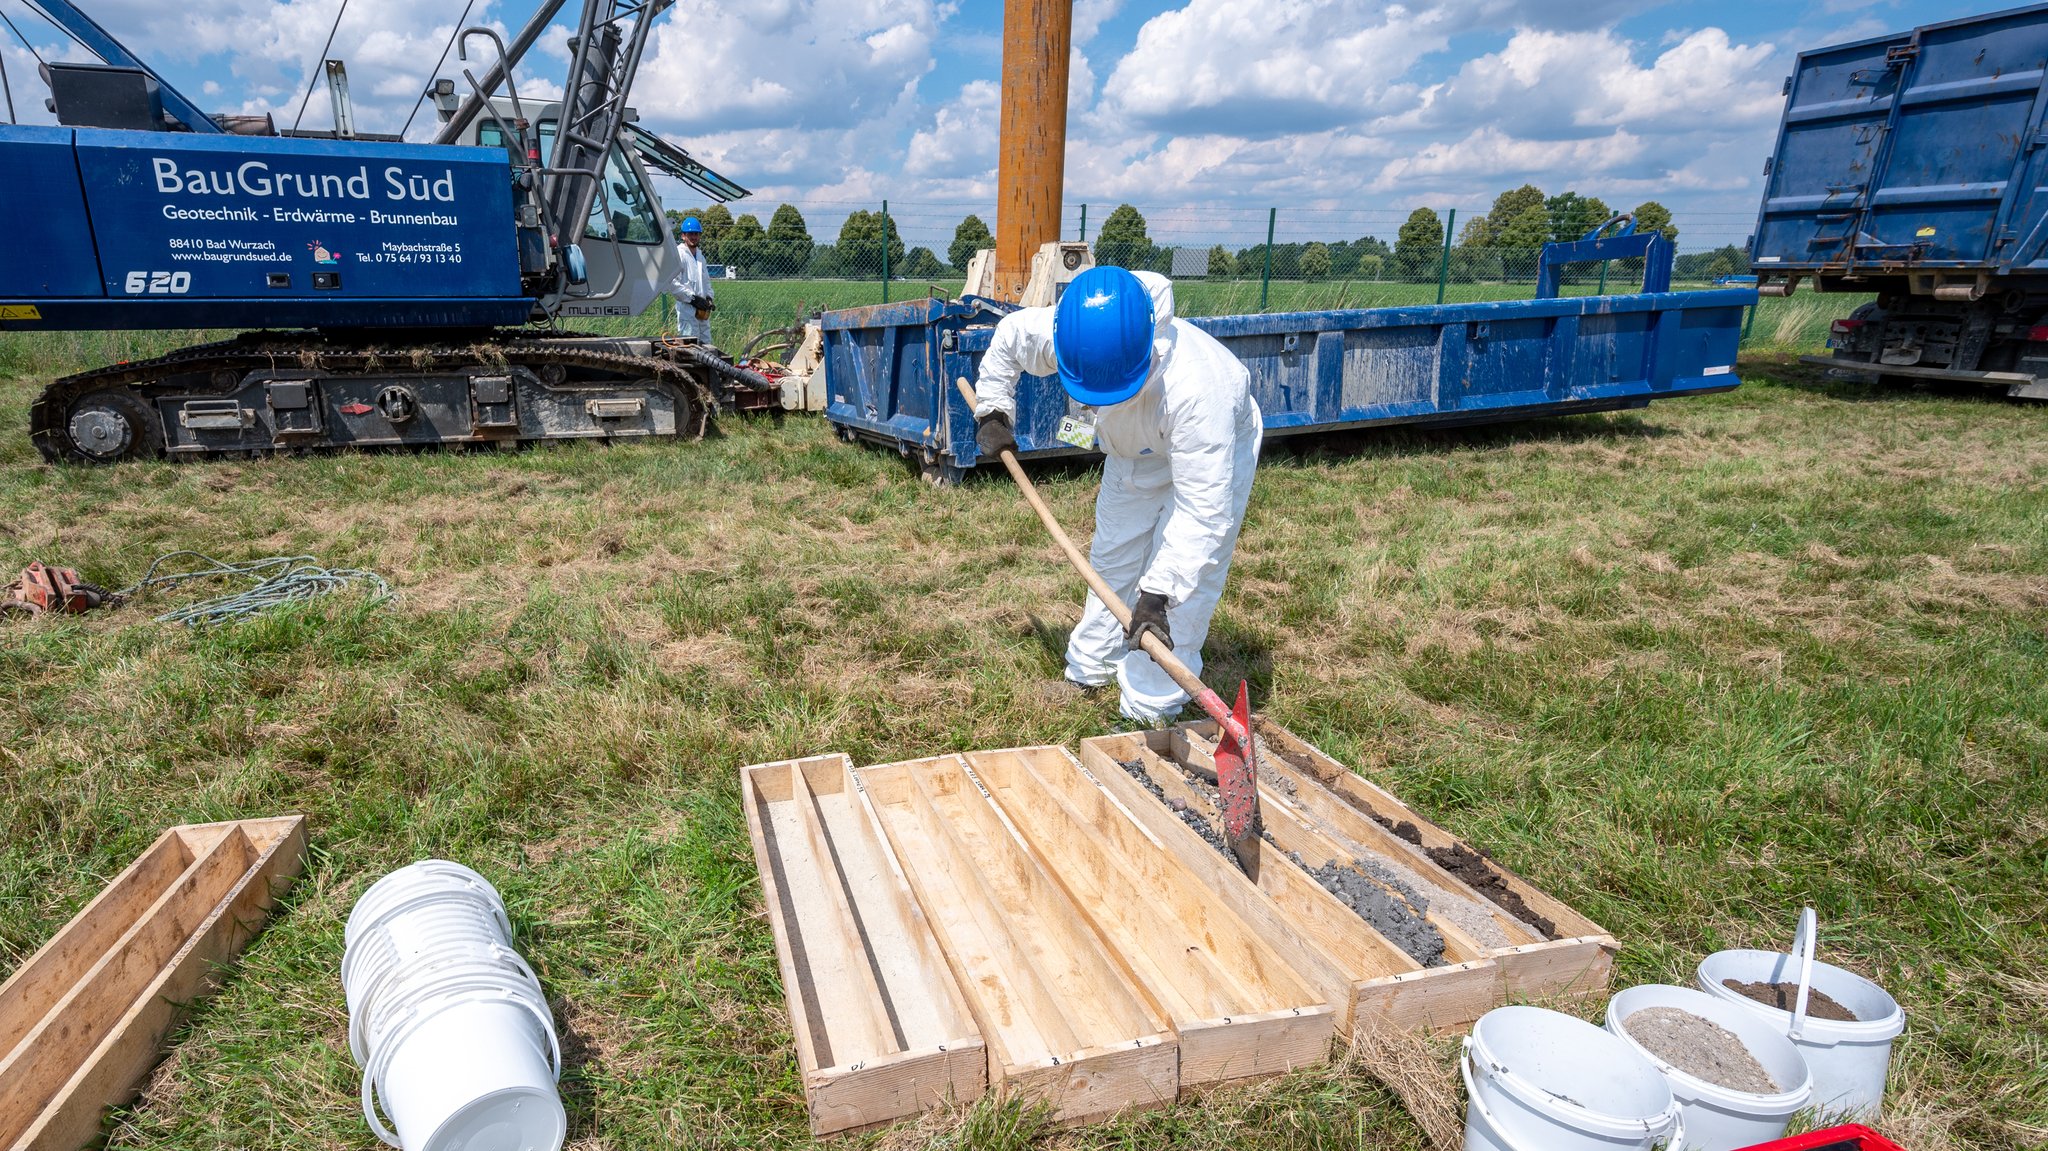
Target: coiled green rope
{"points": [[277, 580]]}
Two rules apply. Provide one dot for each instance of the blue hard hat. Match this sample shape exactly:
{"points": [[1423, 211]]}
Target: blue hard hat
{"points": [[690, 224], [1102, 336]]}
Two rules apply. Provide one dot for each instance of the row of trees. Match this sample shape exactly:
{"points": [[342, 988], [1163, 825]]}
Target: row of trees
{"points": [[1497, 244]]}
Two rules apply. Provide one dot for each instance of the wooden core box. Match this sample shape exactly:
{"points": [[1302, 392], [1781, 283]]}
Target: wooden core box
{"points": [[85, 1017]]}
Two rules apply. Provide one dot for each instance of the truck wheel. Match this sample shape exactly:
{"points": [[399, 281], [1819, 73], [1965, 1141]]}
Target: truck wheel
{"points": [[106, 427]]}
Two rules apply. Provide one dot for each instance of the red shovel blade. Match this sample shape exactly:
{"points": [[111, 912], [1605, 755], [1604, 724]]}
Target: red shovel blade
{"points": [[1237, 777]]}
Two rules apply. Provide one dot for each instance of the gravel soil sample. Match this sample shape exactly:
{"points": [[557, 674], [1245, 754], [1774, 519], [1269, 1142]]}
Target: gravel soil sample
{"points": [[1785, 996], [1701, 1048], [1382, 907], [1210, 833], [1378, 896]]}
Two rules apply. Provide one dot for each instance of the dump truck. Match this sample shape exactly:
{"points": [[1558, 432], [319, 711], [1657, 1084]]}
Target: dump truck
{"points": [[1912, 167]]}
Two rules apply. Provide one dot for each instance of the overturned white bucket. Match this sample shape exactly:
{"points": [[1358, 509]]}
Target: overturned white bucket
{"points": [[1717, 1117], [447, 1021], [1849, 1059], [1539, 1080]]}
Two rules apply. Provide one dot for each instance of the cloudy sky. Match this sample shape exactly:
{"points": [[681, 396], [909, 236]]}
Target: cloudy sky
{"points": [[1344, 114]]}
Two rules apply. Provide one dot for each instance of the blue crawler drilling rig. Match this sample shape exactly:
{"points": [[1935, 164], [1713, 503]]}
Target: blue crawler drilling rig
{"points": [[389, 293]]}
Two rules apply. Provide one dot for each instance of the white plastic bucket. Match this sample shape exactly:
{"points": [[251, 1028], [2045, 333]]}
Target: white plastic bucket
{"points": [[1539, 1080], [414, 940], [1721, 1118], [468, 1075], [427, 879], [448, 1022], [1849, 1061], [388, 1006]]}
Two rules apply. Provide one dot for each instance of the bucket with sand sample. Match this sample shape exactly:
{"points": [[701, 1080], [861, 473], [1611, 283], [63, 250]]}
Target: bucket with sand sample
{"points": [[1538, 1080], [1737, 1079], [1842, 1023]]}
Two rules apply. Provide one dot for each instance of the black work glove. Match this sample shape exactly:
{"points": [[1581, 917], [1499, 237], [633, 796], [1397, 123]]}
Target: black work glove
{"points": [[1148, 614], [702, 303], [994, 435]]}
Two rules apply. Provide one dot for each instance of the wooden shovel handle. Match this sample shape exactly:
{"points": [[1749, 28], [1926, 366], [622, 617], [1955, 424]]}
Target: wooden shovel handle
{"points": [[1149, 643]]}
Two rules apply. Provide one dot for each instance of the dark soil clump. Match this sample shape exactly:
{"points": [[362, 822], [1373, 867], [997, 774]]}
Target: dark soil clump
{"points": [[1785, 996], [1473, 868], [1480, 876]]}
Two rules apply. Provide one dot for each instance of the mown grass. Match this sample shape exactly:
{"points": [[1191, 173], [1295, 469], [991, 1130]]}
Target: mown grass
{"points": [[1689, 668]]}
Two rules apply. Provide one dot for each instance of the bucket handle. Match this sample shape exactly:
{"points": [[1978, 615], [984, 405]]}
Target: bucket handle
{"points": [[383, 1059], [1672, 1142], [1805, 943]]}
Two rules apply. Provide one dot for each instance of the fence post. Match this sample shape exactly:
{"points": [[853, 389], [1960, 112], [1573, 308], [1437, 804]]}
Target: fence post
{"points": [[1084, 223], [1748, 325], [1602, 289], [665, 329], [885, 251], [1443, 267], [1266, 281]]}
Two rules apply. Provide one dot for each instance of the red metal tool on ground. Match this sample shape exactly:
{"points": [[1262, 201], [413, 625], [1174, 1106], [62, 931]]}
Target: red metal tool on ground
{"points": [[1237, 766], [1849, 1137], [41, 588]]}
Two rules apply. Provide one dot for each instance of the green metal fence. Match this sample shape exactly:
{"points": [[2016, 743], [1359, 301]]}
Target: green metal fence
{"points": [[780, 262]]}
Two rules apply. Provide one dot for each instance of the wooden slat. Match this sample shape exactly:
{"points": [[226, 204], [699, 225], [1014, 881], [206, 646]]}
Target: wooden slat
{"points": [[42, 980], [111, 1070], [923, 1000], [881, 1031], [1099, 1001], [1238, 1008], [45, 1058], [1384, 984], [1018, 1015], [1062, 1021], [863, 1027]]}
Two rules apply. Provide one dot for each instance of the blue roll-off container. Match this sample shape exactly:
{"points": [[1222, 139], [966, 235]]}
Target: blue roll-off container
{"points": [[889, 368]]}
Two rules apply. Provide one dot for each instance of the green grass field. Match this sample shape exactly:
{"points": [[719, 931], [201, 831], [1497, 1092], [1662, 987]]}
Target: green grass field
{"points": [[746, 308], [1688, 668]]}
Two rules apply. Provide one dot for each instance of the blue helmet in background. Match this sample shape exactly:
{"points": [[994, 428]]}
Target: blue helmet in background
{"points": [[690, 224], [1102, 336]]}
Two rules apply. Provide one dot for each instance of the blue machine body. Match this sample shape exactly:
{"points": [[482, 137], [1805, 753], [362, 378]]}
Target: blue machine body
{"points": [[1925, 150], [889, 368], [176, 230]]}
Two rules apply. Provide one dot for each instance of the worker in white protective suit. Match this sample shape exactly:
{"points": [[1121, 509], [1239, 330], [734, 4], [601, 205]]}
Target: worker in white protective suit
{"points": [[691, 286], [1172, 412]]}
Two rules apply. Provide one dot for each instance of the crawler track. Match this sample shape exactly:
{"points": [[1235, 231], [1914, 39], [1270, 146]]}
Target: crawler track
{"points": [[118, 411]]}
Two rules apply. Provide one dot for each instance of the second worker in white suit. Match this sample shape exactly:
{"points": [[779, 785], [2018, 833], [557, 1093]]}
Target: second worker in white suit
{"points": [[1173, 415], [692, 283]]}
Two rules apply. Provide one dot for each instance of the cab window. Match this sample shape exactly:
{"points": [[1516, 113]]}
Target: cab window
{"points": [[623, 206]]}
